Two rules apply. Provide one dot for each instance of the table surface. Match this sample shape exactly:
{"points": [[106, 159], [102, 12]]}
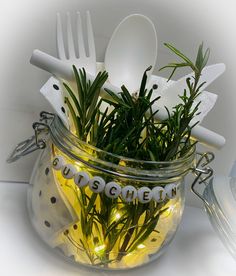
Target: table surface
{"points": [[196, 249]]}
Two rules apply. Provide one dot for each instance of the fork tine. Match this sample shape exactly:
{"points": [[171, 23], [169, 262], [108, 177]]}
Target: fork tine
{"points": [[60, 41], [70, 40], [91, 43], [80, 36]]}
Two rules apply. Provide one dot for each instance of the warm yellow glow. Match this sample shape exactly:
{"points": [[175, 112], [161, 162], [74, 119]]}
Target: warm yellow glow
{"points": [[169, 211], [95, 248], [117, 216], [141, 246], [122, 163], [78, 166], [100, 248]]}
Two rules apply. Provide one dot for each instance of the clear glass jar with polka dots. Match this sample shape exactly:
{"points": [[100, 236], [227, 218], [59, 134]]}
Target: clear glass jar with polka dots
{"points": [[99, 209]]}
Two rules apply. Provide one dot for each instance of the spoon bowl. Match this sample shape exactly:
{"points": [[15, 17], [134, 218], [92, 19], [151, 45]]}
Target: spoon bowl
{"points": [[131, 50]]}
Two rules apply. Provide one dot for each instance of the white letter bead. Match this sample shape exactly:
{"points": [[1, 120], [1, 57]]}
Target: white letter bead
{"points": [[145, 195], [112, 190], [58, 162], [81, 179], [159, 194], [129, 193], [68, 171], [97, 184], [171, 190]]}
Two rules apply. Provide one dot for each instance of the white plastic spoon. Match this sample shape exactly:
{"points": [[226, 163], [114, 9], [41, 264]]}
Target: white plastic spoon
{"points": [[131, 50]]}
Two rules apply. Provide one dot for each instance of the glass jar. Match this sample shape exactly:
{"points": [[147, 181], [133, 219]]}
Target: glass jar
{"points": [[100, 209]]}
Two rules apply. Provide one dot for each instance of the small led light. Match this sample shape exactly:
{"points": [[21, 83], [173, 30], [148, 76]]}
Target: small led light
{"points": [[117, 216], [141, 246], [100, 248]]}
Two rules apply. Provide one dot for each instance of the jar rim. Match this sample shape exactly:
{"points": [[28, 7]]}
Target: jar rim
{"points": [[71, 145]]}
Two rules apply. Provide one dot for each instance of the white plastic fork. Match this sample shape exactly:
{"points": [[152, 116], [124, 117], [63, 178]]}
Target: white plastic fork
{"points": [[76, 55], [53, 90]]}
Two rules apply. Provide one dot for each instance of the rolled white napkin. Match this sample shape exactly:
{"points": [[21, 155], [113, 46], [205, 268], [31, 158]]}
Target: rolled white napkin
{"points": [[207, 99]]}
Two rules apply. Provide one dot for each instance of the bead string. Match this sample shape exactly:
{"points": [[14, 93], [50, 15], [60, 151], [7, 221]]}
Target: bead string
{"points": [[112, 189]]}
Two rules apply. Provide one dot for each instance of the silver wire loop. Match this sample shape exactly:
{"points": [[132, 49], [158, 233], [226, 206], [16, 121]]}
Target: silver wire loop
{"points": [[35, 142], [203, 172]]}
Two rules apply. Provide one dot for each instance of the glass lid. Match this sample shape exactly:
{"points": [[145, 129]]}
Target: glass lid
{"points": [[220, 203], [219, 197]]}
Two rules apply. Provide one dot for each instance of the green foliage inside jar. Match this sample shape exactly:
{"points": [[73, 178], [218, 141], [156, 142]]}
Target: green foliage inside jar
{"points": [[113, 231], [127, 126]]}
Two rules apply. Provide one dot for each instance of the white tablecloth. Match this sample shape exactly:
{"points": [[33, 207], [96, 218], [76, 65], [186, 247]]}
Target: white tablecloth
{"points": [[196, 249]]}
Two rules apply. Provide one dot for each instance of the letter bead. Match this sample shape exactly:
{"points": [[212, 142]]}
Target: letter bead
{"points": [[129, 193], [145, 195], [58, 162], [68, 171], [171, 190], [159, 194], [97, 184], [112, 190], [81, 179]]}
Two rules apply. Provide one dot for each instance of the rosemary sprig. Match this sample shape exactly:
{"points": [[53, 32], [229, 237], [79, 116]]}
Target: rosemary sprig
{"points": [[124, 128], [178, 124], [127, 127], [128, 122], [86, 101]]}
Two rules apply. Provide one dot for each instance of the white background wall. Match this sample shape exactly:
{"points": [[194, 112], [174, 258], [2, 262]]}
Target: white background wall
{"points": [[26, 25]]}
